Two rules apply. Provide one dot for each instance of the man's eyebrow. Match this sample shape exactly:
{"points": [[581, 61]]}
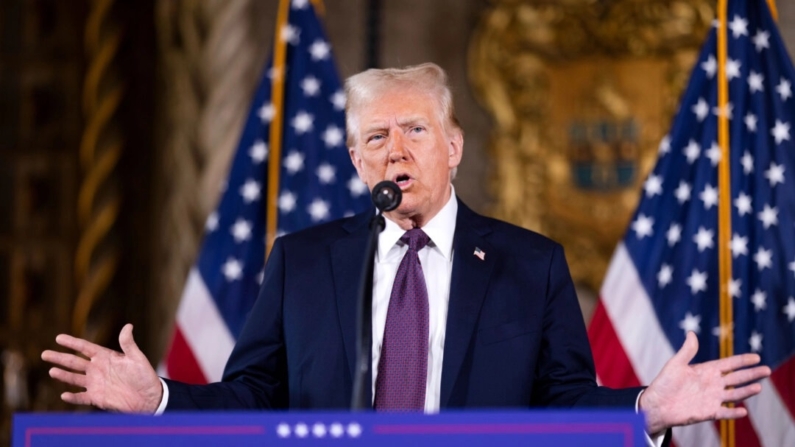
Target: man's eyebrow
{"points": [[403, 122], [375, 127], [418, 119]]}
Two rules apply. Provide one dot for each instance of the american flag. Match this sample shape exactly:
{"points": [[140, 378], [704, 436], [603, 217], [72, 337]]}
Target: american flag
{"points": [[317, 183], [664, 279]]}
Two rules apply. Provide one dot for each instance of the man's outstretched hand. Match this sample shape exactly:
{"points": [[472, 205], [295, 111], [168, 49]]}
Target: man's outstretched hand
{"points": [[118, 381], [685, 394]]}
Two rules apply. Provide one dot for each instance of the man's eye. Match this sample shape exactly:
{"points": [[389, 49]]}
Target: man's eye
{"points": [[375, 138], [417, 129]]}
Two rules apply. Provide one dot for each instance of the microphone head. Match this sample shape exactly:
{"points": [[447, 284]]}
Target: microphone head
{"points": [[386, 196]]}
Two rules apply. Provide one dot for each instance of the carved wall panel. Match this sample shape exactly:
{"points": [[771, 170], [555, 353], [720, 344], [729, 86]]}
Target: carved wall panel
{"points": [[40, 76], [581, 92], [63, 120]]}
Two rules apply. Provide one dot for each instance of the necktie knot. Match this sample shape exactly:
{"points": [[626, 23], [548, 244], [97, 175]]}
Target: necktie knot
{"points": [[416, 239]]}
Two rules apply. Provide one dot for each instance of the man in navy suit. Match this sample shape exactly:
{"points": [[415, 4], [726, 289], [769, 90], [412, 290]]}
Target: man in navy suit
{"points": [[504, 326]]}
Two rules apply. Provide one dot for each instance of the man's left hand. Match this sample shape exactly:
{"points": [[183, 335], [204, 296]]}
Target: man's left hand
{"points": [[685, 394]]}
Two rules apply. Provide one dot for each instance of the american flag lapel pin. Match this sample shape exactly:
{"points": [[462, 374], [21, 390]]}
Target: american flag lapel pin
{"points": [[480, 254]]}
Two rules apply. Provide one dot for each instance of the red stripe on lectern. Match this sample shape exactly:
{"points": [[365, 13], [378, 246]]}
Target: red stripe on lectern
{"points": [[624, 429], [186, 430]]}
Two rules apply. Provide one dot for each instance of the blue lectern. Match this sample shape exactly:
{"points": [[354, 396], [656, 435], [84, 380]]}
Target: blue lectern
{"points": [[499, 428]]}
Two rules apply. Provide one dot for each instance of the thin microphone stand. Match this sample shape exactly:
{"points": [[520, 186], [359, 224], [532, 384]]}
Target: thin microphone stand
{"points": [[364, 326], [386, 196]]}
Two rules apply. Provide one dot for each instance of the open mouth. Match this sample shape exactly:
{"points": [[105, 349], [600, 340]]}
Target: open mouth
{"points": [[402, 180]]}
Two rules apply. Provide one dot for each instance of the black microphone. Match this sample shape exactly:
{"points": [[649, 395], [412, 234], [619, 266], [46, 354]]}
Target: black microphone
{"points": [[387, 196]]}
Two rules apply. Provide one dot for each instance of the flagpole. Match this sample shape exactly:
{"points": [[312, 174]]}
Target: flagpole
{"points": [[277, 96], [320, 8], [724, 210], [771, 5]]}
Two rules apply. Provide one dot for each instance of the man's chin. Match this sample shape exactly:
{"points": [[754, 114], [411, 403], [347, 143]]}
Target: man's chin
{"points": [[404, 211]]}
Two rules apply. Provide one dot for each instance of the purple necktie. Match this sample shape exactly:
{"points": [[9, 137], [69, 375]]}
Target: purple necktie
{"points": [[403, 366]]}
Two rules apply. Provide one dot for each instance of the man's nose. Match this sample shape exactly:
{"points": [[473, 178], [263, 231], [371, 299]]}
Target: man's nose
{"points": [[397, 147]]}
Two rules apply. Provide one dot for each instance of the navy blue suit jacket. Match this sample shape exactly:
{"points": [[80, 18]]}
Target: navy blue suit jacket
{"points": [[515, 335]]}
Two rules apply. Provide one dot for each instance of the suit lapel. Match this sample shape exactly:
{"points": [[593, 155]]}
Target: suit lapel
{"points": [[347, 258], [468, 284]]}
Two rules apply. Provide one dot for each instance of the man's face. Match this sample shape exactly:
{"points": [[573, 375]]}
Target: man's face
{"points": [[401, 138]]}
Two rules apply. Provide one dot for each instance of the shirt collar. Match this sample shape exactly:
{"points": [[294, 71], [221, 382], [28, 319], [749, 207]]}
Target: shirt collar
{"points": [[440, 229]]}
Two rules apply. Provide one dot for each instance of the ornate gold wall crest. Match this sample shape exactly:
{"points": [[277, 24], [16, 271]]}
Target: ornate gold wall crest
{"points": [[582, 92]]}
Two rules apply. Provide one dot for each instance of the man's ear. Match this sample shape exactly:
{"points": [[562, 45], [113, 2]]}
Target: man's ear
{"points": [[455, 148], [356, 159]]}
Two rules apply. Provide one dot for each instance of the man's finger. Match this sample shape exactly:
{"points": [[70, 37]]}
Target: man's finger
{"points": [[69, 378], [742, 376], [126, 341], [734, 362], [688, 350], [84, 347], [732, 413], [76, 398], [65, 360], [742, 393]]}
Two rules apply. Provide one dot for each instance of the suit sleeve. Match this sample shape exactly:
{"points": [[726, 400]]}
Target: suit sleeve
{"points": [[255, 376], [565, 374]]}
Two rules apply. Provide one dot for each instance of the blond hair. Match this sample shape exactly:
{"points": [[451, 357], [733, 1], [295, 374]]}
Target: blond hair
{"points": [[365, 87]]}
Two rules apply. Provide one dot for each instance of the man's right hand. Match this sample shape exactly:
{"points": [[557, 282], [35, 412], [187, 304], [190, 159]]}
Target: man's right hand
{"points": [[117, 381]]}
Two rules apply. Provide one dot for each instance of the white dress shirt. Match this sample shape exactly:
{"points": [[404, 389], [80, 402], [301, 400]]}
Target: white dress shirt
{"points": [[437, 266]]}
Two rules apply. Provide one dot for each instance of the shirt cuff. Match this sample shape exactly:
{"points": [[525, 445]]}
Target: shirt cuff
{"points": [[656, 441], [164, 401]]}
